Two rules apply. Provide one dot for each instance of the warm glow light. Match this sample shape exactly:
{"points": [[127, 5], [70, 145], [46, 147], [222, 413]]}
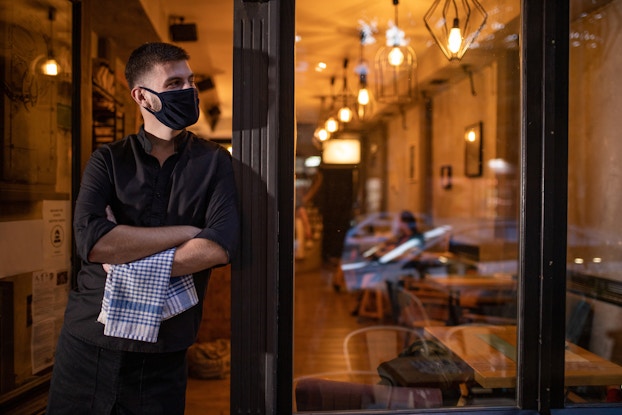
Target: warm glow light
{"points": [[50, 67], [363, 96], [396, 56], [321, 66], [342, 151], [230, 149], [313, 161], [322, 134], [455, 38], [331, 125], [345, 114], [597, 260], [578, 260], [471, 136]]}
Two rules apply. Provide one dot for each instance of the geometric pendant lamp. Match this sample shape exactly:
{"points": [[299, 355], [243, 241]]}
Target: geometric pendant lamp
{"points": [[454, 25]]}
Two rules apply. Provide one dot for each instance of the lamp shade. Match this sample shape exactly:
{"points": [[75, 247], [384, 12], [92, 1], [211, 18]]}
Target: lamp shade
{"points": [[341, 151], [396, 74], [454, 25]]}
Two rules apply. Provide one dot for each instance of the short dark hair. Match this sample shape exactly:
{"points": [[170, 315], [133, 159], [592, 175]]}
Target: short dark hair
{"points": [[148, 55], [409, 219]]}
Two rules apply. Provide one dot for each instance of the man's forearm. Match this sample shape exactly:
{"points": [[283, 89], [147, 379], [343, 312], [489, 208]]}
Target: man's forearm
{"points": [[125, 244], [196, 255]]}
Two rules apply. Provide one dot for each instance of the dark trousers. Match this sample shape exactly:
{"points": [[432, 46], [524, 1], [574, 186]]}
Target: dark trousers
{"points": [[90, 380]]}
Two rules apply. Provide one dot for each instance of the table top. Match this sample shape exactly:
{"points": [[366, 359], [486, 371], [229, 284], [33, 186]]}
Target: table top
{"points": [[491, 352], [466, 282]]}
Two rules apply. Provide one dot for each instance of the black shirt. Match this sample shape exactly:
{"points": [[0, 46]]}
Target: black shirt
{"points": [[195, 186]]}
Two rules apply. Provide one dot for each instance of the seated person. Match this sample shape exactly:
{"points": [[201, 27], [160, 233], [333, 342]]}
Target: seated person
{"points": [[406, 230]]}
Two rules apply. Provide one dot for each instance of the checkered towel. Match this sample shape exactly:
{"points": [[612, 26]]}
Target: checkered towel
{"points": [[140, 294]]}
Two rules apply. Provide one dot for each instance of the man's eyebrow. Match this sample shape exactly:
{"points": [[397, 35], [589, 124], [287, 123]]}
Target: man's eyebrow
{"points": [[178, 78]]}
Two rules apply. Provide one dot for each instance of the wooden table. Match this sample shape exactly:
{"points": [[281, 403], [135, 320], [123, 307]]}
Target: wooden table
{"points": [[457, 285], [461, 283], [491, 352]]}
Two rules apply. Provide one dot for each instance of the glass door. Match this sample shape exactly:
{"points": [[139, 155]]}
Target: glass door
{"points": [[407, 213], [594, 286]]}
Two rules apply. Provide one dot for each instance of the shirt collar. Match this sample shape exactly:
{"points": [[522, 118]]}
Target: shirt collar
{"points": [[179, 140]]}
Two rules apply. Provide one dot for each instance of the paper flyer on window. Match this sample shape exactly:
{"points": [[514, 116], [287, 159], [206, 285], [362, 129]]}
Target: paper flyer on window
{"points": [[49, 297]]}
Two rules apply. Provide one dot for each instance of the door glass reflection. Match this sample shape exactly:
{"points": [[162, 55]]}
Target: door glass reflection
{"points": [[594, 303], [406, 215]]}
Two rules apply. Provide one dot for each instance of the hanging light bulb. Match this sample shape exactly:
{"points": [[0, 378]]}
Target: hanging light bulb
{"points": [[331, 125], [321, 134], [455, 37], [396, 65], [345, 114], [50, 66], [363, 96], [467, 19], [396, 57]]}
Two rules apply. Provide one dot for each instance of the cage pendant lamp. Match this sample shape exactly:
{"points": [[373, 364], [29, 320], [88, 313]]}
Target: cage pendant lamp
{"points": [[454, 25], [395, 67], [50, 66], [364, 98]]}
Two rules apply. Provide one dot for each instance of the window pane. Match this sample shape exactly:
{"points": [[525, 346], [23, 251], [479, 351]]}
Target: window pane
{"points": [[406, 216], [35, 188], [594, 300]]}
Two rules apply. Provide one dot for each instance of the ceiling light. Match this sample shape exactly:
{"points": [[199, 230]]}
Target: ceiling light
{"points": [[331, 125], [50, 66], [396, 66], [345, 113], [454, 25]]}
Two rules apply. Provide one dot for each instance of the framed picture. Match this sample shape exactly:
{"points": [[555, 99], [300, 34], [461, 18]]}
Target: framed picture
{"points": [[412, 164], [446, 176], [473, 139]]}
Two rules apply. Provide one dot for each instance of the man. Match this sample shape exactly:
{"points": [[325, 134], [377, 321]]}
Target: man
{"points": [[161, 193]]}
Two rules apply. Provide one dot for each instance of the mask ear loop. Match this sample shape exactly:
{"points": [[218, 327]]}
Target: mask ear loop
{"points": [[152, 110]]}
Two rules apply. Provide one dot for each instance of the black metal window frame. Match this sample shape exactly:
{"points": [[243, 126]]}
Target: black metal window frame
{"points": [[263, 142]]}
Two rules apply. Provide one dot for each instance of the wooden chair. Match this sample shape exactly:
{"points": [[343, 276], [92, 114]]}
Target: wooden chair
{"points": [[418, 308]]}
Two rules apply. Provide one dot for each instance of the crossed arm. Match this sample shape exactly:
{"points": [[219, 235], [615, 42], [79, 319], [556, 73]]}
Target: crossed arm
{"points": [[125, 244]]}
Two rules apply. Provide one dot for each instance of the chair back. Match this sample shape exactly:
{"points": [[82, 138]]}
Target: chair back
{"points": [[366, 348]]}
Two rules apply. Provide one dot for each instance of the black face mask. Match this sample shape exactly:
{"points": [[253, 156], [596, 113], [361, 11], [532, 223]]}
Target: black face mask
{"points": [[180, 108]]}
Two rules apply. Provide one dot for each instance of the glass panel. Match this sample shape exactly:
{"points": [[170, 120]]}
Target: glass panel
{"points": [[406, 236], [35, 187], [594, 295]]}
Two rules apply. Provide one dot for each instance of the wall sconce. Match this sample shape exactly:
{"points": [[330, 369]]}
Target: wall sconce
{"points": [[396, 66], [473, 138], [454, 25], [50, 66], [342, 151]]}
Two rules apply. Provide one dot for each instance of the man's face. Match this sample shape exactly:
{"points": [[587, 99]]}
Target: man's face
{"points": [[168, 76]]}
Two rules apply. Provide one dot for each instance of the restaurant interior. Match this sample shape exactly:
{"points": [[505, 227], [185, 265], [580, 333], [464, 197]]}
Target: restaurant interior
{"points": [[408, 115]]}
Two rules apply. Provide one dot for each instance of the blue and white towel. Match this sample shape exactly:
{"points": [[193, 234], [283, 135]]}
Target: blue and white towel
{"points": [[140, 294]]}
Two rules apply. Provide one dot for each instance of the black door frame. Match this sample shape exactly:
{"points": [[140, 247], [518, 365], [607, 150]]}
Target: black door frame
{"points": [[264, 144]]}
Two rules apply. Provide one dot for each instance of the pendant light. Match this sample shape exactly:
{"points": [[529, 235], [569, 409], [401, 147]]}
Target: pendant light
{"points": [[345, 113], [454, 25], [364, 99], [396, 66], [50, 66]]}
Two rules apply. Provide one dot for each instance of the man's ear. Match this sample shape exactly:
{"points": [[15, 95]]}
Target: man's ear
{"points": [[138, 95]]}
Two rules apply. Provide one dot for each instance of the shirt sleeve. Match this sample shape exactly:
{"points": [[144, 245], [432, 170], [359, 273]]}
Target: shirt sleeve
{"points": [[90, 222], [221, 217]]}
